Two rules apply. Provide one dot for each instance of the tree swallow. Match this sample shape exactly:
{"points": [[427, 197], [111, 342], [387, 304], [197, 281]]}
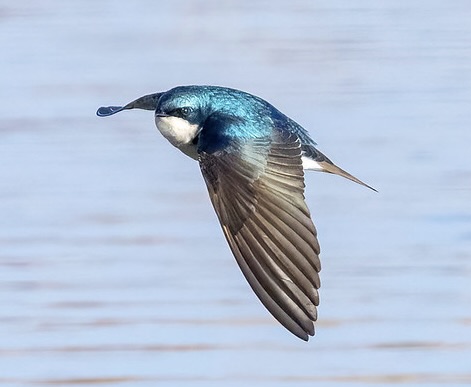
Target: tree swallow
{"points": [[252, 158]]}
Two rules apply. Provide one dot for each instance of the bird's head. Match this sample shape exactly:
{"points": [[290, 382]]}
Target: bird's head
{"points": [[179, 113], [185, 103], [182, 112]]}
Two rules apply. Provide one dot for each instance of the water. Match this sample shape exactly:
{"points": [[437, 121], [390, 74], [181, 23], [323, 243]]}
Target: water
{"points": [[113, 268]]}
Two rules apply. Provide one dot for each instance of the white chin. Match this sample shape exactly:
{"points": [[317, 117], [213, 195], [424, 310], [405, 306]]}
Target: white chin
{"points": [[176, 130], [180, 133]]}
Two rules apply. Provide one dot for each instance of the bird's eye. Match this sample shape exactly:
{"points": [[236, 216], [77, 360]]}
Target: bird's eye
{"points": [[183, 111]]}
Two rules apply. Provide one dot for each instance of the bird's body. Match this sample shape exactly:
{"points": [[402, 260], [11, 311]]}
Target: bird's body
{"points": [[252, 158]]}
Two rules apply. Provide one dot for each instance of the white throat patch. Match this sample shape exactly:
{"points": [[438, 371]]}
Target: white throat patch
{"points": [[179, 132]]}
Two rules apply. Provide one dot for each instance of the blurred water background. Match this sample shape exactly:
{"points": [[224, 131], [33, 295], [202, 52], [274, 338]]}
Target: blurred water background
{"points": [[113, 268]]}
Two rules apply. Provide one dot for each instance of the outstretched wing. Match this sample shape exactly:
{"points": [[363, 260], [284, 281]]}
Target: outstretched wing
{"points": [[257, 189]]}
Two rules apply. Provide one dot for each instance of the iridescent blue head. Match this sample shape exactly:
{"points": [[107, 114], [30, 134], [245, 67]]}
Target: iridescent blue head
{"points": [[196, 103], [180, 113]]}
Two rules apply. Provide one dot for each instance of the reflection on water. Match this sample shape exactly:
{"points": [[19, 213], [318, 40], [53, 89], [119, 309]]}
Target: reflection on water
{"points": [[113, 268]]}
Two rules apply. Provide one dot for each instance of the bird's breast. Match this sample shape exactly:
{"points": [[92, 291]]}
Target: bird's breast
{"points": [[179, 132]]}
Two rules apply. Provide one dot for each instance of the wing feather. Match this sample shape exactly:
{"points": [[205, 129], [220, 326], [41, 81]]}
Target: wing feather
{"points": [[257, 189]]}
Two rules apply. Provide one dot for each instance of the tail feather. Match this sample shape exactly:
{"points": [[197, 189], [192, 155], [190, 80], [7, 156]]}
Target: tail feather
{"points": [[317, 161], [332, 168]]}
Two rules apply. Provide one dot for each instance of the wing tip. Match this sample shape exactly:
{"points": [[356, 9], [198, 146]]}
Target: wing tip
{"points": [[305, 336], [301, 329]]}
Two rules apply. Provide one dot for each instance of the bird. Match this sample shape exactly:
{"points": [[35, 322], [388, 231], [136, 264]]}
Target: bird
{"points": [[252, 158]]}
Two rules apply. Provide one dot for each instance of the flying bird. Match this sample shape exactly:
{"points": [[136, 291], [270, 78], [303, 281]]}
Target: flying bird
{"points": [[252, 158]]}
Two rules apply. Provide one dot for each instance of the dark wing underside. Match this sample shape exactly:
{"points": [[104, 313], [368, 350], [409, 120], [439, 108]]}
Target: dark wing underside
{"points": [[257, 189]]}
